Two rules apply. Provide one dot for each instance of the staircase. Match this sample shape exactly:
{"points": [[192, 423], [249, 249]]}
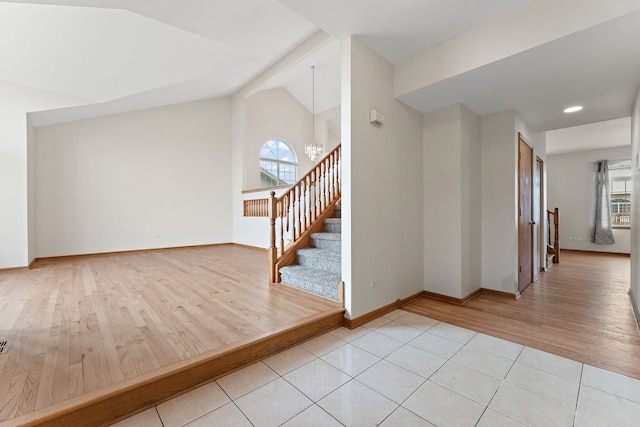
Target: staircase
{"points": [[319, 267]]}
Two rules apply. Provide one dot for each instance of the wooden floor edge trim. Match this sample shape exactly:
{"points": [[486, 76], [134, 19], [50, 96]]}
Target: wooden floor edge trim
{"points": [[368, 317], [122, 400], [634, 306]]}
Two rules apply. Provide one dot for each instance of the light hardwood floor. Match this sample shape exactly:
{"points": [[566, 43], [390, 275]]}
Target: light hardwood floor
{"points": [[78, 325], [578, 309]]}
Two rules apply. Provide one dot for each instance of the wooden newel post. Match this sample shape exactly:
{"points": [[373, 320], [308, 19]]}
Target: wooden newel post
{"points": [[273, 251], [556, 221]]}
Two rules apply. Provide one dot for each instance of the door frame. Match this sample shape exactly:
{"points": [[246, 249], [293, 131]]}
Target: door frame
{"points": [[540, 252], [528, 256]]}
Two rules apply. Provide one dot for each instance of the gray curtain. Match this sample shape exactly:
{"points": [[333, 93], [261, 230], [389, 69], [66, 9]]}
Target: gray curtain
{"points": [[602, 233]]}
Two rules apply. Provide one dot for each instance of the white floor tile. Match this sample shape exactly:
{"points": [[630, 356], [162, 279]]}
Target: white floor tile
{"points": [[323, 344], [437, 345], [378, 344], [560, 366], [491, 418], [401, 417], [395, 314], [179, 411], [443, 407], [452, 332], [391, 380], [547, 386], [467, 382], [597, 408], [226, 416], [376, 323], [273, 403], [210, 396], [314, 416], [484, 362], [351, 359], [610, 382], [417, 361], [530, 409], [416, 321], [355, 404], [398, 331], [317, 379], [349, 335], [289, 360], [247, 379], [148, 418], [497, 346]]}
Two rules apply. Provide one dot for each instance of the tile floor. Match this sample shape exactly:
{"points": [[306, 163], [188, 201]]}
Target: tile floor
{"points": [[407, 370]]}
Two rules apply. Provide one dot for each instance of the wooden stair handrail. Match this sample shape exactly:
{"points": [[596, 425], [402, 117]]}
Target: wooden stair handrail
{"points": [[556, 235], [301, 206]]}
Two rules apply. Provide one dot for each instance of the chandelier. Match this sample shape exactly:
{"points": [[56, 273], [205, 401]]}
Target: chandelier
{"points": [[313, 150]]}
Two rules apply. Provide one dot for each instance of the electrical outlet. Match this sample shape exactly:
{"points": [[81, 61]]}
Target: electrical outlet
{"points": [[374, 283]]}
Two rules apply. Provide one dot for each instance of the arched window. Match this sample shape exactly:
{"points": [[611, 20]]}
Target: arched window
{"points": [[278, 164]]}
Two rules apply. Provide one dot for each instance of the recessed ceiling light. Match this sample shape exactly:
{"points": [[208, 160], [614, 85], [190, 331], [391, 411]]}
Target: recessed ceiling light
{"points": [[573, 109]]}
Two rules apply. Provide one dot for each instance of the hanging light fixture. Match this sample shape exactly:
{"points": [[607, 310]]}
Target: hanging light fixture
{"points": [[312, 149]]}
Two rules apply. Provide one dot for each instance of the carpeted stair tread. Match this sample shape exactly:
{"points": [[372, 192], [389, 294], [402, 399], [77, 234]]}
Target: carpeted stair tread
{"points": [[312, 280], [320, 259]]}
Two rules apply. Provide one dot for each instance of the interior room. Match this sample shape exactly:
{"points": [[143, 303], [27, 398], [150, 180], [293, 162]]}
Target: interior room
{"points": [[170, 170]]}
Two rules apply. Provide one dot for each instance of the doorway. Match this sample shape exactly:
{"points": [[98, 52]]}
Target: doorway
{"points": [[525, 215], [539, 216]]}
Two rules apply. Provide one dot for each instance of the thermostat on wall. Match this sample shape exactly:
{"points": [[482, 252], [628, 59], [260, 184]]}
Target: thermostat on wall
{"points": [[376, 117]]}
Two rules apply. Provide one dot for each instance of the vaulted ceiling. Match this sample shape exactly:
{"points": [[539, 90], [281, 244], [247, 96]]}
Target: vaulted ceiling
{"points": [[122, 55]]}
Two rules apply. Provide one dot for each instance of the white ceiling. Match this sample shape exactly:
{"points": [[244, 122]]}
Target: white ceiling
{"points": [[123, 55], [610, 133], [598, 68], [399, 29]]}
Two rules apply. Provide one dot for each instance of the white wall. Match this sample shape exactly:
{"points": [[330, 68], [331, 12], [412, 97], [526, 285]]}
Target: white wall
{"points": [[15, 102], [442, 201], [571, 189], [148, 179], [471, 201], [499, 190], [634, 290], [248, 231], [382, 196], [451, 201], [499, 183]]}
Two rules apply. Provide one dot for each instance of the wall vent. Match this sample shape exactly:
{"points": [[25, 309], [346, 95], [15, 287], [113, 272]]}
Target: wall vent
{"points": [[3, 346]]}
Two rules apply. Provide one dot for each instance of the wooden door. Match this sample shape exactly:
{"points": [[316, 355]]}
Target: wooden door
{"points": [[525, 215]]}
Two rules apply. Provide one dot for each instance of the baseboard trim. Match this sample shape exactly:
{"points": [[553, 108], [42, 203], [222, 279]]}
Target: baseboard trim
{"points": [[131, 251], [10, 269], [122, 400], [240, 245], [636, 309], [368, 317], [502, 294], [625, 254], [466, 299]]}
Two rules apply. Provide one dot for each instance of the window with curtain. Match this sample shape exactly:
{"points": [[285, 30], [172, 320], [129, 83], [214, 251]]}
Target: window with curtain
{"points": [[602, 234], [278, 164], [620, 193]]}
